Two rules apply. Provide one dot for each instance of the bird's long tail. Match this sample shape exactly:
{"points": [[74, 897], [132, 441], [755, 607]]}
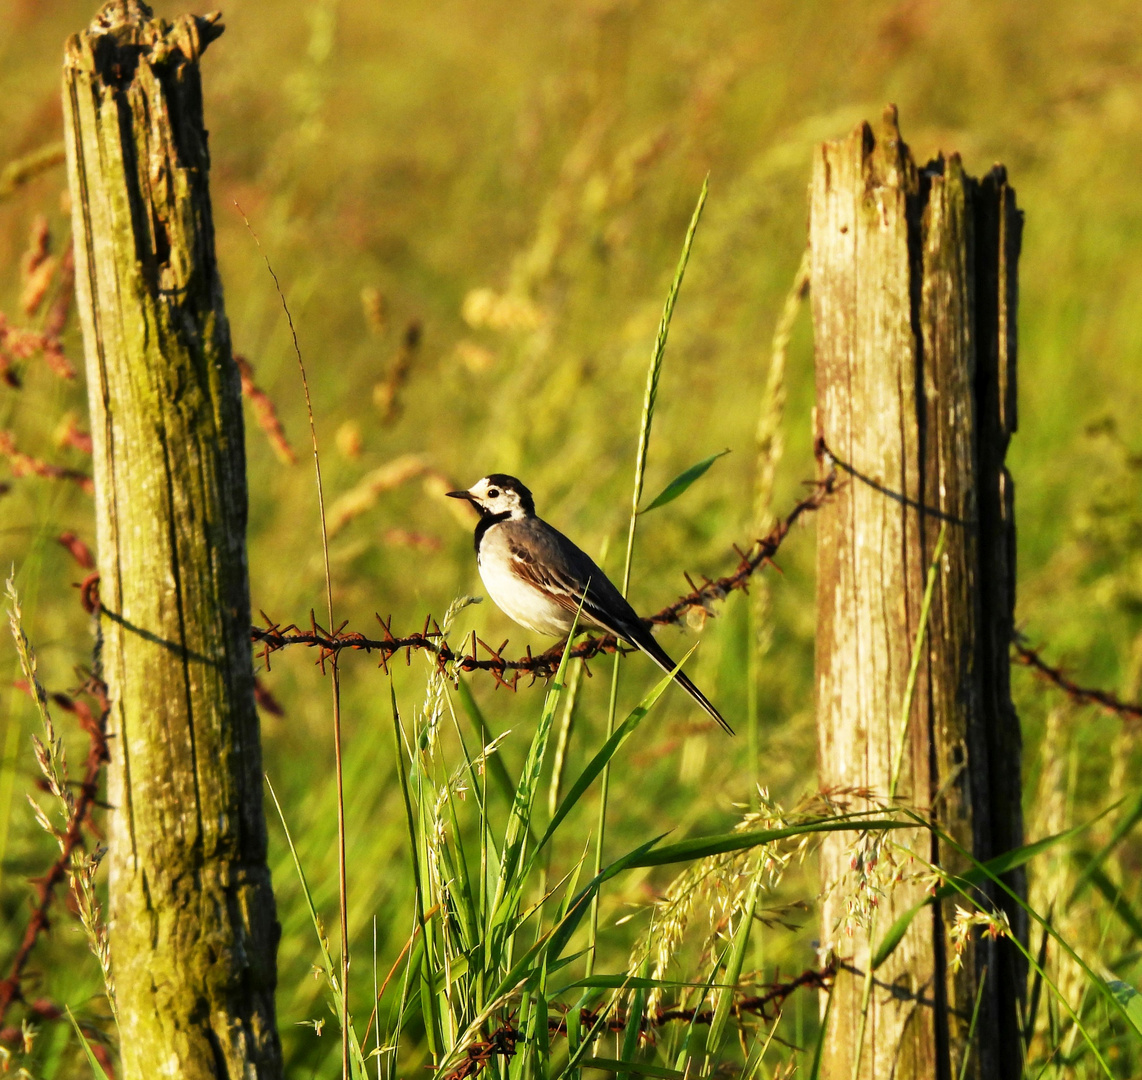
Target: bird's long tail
{"points": [[645, 641]]}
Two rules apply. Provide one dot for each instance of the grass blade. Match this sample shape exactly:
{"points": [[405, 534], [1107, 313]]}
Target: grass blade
{"points": [[682, 482], [687, 1053], [723, 843], [550, 947], [608, 750], [632, 982], [634, 1025], [649, 399], [357, 1059], [495, 763], [434, 1029], [523, 800], [1131, 818], [981, 872], [917, 652], [513, 876], [1112, 894], [92, 1060], [622, 1068], [974, 1020], [1130, 1000], [733, 971], [822, 1034], [1093, 980]]}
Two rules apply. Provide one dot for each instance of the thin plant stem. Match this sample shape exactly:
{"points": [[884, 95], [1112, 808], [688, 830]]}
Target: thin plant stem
{"points": [[865, 999], [376, 997], [604, 794], [770, 450], [971, 1027], [558, 768], [917, 651], [752, 720], [341, 870], [822, 1033], [653, 375], [649, 398], [898, 758], [13, 738]]}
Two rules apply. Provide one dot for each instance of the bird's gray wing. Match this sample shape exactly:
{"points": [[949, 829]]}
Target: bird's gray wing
{"points": [[545, 558]]}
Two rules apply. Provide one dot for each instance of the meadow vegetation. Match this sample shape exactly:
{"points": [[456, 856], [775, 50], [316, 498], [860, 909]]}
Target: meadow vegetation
{"points": [[476, 211]]}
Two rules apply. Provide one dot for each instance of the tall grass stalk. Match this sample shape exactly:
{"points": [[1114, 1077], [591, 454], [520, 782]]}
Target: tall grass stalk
{"points": [[865, 1001], [335, 986], [376, 998], [1093, 981], [897, 760], [974, 1020], [13, 737], [770, 442], [650, 397], [51, 757], [917, 653], [822, 1035], [334, 672], [97, 1070]]}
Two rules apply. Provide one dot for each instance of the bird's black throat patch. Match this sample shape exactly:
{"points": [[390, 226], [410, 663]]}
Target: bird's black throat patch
{"points": [[486, 522]]}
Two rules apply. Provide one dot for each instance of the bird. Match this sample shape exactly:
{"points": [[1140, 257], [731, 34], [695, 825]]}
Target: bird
{"points": [[541, 580]]}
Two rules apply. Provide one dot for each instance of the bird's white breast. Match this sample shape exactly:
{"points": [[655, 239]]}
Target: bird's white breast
{"points": [[519, 600]]}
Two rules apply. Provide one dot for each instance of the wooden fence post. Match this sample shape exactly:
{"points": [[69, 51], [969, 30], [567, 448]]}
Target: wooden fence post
{"points": [[192, 919], [914, 295]]}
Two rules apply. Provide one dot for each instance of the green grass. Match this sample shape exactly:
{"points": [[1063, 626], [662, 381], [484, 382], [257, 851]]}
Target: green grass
{"points": [[551, 153]]}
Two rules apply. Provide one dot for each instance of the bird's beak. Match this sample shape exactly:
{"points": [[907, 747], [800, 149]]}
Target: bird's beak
{"points": [[459, 495]]}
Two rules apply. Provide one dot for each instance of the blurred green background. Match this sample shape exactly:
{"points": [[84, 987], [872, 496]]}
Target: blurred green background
{"points": [[515, 179]]}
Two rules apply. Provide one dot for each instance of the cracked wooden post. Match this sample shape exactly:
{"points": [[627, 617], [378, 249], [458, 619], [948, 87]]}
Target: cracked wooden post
{"points": [[192, 919], [914, 297]]}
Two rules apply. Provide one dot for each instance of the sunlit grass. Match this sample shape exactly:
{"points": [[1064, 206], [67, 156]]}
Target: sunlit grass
{"points": [[550, 154]]}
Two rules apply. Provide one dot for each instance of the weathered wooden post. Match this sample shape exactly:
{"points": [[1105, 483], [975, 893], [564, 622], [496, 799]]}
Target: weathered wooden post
{"points": [[192, 919], [914, 297]]}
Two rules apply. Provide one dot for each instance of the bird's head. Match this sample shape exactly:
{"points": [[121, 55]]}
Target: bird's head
{"points": [[498, 495]]}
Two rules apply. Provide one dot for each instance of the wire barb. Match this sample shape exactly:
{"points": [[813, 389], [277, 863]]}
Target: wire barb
{"points": [[272, 637]]}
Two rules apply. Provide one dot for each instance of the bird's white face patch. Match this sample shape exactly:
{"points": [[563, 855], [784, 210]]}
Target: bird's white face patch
{"points": [[496, 499]]}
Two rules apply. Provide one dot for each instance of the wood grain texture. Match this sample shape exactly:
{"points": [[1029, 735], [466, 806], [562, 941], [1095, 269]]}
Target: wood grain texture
{"points": [[193, 925], [896, 262]]}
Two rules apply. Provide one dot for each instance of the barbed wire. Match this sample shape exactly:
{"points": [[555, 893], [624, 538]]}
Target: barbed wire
{"points": [[502, 1041], [507, 672], [1032, 658]]}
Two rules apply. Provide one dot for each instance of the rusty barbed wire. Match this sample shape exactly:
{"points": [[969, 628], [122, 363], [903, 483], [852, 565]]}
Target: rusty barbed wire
{"points": [[759, 1005], [503, 1040], [507, 672], [1032, 658], [478, 1056]]}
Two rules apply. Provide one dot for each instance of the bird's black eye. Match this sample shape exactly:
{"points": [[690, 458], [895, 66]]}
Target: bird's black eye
{"points": [[493, 493]]}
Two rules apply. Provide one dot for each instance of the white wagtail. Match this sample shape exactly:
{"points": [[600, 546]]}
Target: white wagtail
{"points": [[539, 578]]}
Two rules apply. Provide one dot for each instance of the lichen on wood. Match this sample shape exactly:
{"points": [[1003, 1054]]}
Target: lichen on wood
{"points": [[193, 925]]}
